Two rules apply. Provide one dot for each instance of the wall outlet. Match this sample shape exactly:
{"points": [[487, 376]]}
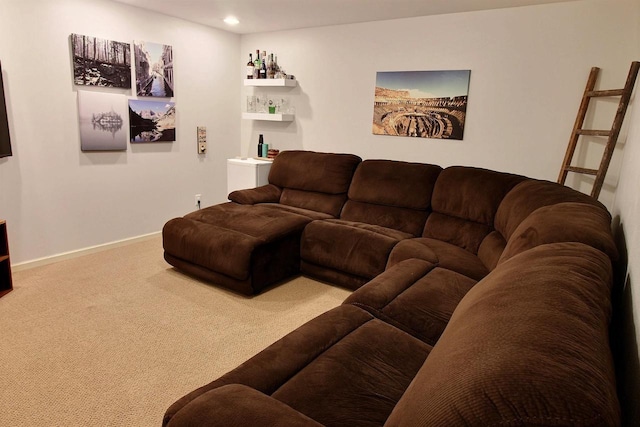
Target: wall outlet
{"points": [[198, 196], [202, 139]]}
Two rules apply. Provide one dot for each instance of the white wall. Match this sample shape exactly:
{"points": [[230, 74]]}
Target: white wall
{"points": [[56, 198], [528, 67], [626, 213]]}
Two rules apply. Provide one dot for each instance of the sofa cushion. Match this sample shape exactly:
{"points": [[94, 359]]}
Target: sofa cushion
{"points": [[528, 345], [465, 201], [563, 222], [415, 296], [223, 238], [356, 248], [238, 405], [343, 367], [530, 195], [314, 181], [391, 194], [445, 255], [251, 196]]}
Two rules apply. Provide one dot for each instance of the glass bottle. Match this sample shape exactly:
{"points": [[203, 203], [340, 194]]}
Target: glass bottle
{"points": [[250, 67]]}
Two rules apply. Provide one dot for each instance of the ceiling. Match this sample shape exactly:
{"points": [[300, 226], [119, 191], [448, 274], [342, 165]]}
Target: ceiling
{"points": [[257, 16]]}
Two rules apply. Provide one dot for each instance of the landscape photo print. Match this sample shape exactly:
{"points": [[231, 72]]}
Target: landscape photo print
{"points": [[152, 121], [423, 104], [102, 121], [101, 62]]}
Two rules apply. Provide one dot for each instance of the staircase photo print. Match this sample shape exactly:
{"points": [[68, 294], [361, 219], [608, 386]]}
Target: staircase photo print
{"points": [[423, 104]]}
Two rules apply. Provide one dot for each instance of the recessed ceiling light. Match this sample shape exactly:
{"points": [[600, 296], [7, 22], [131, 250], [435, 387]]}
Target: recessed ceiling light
{"points": [[231, 20]]}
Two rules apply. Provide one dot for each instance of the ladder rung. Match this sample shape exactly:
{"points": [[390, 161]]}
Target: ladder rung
{"points": [[612, 92], [593, 132], [581, 170]]}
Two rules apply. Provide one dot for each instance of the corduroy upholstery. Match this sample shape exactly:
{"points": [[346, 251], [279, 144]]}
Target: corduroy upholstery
{"points": [[388, 201], [493, 311]]}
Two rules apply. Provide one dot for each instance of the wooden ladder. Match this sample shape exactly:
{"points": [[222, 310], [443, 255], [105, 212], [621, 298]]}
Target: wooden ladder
{"points": [[612, 135]]}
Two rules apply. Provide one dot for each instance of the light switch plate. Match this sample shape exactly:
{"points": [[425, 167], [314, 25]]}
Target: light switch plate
{"points": [[202, 139]]}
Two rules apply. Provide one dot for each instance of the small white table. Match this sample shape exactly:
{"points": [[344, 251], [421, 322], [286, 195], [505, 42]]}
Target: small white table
{"points": [[247, 173]]}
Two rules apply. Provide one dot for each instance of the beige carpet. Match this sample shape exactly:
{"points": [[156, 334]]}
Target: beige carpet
{"points": [[113, 338]]}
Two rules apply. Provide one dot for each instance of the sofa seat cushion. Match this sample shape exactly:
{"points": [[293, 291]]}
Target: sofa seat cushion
{"points": [[444, 254], [528, 345], [300, 211], [415, 295], [230, 238], [356, 248], [344, 367], [238, 405]]}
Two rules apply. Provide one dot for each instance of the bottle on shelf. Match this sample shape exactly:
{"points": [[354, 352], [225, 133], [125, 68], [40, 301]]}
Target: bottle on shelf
{"points": [[263, 65], [260, 145], [250, 67], [271, 70], [256, 65]]}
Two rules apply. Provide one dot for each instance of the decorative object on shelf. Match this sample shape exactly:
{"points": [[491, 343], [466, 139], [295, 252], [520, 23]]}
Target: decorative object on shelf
{"points": [[154, 69], [101, 62], [272, 153], [152, 121], [5, 140], [425, 104], [101, 117]]}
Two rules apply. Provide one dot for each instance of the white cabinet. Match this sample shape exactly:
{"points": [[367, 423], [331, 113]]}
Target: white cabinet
{"points": [[247, 173]]}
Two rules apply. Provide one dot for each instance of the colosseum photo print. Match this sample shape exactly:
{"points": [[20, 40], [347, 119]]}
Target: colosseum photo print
{"points": [[424, 104]]}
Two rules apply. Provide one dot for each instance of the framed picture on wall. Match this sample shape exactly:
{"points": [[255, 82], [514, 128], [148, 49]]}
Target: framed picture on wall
{"points": [[152, 121], [423, 104], [5, 140], [101, 118], [154, 69], [101, 62]]}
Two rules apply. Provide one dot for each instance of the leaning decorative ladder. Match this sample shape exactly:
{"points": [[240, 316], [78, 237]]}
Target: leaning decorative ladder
{"points": [[612, 135]]}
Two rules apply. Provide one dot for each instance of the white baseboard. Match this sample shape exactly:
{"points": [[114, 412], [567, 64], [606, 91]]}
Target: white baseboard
{"points": [[80, 252]]}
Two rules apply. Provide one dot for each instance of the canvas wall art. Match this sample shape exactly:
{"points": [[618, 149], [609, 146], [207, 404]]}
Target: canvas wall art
{"points": [[5, 141], [154, 69], [101, 62], [152, 121], [102, 121], [423, 104]]}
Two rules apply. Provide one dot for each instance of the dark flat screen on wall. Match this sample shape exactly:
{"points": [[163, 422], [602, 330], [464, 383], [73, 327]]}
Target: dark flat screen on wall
{"points": [[5, 142]]}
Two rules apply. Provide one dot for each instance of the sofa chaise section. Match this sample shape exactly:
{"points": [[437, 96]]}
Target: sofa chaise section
{"points": [[254, 241]]}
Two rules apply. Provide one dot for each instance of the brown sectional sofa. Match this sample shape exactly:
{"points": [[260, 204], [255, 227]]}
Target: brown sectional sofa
{"points": [[480, 297]]}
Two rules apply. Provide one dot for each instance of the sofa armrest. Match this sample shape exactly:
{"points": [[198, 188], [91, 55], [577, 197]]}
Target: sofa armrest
{"points": [[238, 405], [265, 194]]}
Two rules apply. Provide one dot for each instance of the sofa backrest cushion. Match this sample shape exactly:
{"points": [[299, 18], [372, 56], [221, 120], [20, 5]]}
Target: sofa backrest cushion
{"points": [[530, 195], [391, 194], [527, 345], [464, 203], [315, 181], [563, 222]]}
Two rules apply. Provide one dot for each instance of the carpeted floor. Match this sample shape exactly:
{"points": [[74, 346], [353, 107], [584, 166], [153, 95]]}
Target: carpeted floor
{"points": [[113, 338]]}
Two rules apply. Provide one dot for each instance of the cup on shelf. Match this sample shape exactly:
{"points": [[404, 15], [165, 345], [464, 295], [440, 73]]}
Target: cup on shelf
{"points": [[251, 104], [273, 104], [261, 104]]}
